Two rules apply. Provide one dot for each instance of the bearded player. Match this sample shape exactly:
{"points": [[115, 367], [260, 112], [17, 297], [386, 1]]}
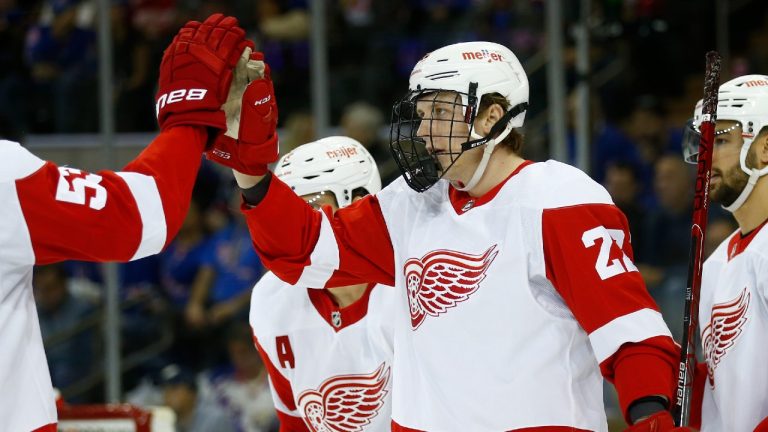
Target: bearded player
{"points": [[733, 314]]}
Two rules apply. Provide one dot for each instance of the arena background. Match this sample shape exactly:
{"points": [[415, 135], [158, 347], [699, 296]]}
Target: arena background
{"points": [[612, 84]]}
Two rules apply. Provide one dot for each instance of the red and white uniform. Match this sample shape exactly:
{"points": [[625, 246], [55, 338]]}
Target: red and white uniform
{"points": [[733, 321], [51, 214], [511, 305], [330, 368]]}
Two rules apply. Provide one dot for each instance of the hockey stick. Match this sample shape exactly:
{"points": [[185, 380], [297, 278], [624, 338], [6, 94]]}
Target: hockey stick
{"points": [[682, 407]]}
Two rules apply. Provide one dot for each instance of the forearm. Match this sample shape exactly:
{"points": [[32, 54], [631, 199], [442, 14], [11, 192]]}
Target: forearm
{"points": [[173, 160], [314, 248], [111, 216]]}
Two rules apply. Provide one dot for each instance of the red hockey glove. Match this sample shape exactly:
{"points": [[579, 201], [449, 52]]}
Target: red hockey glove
{"points": [[660, 422], [256, 143], [196, 72]]}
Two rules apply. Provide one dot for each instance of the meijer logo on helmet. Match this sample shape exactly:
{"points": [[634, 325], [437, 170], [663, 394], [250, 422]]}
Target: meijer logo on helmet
{"points": [[482, 55], [756, 83], [342, 152]]}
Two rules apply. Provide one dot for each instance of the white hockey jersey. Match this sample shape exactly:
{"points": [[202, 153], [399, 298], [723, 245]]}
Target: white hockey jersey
{"points": [[330, 368], [51, 214], [511, 304], [733, 324]]}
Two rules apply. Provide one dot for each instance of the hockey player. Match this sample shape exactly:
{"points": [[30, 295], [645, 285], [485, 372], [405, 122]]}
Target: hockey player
{"points": [[515, 279], [733, 320], [52, 213], [328, 352]]}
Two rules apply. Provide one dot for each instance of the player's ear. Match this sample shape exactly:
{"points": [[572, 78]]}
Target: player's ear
{"points": [[761, 149], [489, 117]]}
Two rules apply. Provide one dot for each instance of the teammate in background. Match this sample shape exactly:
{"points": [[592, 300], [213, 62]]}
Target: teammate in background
{"points": [[733, 320], [52, 213], [516, 281], [328, 352]]}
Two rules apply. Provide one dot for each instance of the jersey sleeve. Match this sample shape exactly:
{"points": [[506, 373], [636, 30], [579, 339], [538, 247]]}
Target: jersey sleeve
{"points": [[319, 249], [113, 216], [282, 395], [589, 260]]}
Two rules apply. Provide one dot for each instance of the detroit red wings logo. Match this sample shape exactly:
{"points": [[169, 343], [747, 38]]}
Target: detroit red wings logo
{"points": [[724, 328], [443, 278], [345, 403]]}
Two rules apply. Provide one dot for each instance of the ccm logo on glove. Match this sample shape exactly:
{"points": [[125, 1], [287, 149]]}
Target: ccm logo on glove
{"points": [[178, 96]]}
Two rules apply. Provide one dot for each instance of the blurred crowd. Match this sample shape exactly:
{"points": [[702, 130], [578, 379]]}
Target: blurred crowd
{"points": [[192, 300]]}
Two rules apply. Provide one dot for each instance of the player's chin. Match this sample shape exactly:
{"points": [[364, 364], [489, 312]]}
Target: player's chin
{"points": [[716, 194]]}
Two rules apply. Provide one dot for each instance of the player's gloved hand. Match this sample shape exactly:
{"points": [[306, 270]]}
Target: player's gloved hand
{"points": [[196, 72], [662, 421], [250, 143]]}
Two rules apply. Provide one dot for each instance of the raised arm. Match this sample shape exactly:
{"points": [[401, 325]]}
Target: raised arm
{"points": [[118, 216], [300, 245], [317, 248]]}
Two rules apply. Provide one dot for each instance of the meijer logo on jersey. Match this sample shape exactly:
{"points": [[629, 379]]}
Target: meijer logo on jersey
{"points": [[178, 96]]}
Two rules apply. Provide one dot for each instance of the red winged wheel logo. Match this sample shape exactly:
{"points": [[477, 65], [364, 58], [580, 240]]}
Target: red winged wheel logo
{"points": [[724, 328], [345, 403], [443, 278]]}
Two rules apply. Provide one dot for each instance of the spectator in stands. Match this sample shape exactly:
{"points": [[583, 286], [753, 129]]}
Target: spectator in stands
{"points": [[640, 137], [193, 412], [623, 184], [61, 52], [719, 228], [72, 352], [241, 388], [364, 122], [283, 30], [13, 78], [299, 129], [667, 237], [221, 290]]}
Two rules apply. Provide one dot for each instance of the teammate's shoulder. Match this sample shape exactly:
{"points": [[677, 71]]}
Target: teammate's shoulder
{"points": [[16, 162], [553, 184], [275, 304]]}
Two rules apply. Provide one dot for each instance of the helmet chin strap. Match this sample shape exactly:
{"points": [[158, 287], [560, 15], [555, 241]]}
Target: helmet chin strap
{"points": [[753, 177], [480, 170]]}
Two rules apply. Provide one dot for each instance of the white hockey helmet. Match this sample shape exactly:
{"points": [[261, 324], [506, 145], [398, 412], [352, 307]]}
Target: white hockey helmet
{"points": [[337, 164], [472, 70], [491, 67], [744, 100]]}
